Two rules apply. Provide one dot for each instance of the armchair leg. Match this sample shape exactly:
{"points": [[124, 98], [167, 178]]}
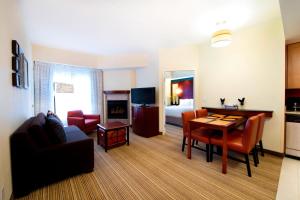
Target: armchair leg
{"points": [[183, 143], [248, 164]]}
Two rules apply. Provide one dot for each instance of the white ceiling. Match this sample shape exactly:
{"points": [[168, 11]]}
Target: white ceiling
{"points": [[290, 11], [118, 26]]}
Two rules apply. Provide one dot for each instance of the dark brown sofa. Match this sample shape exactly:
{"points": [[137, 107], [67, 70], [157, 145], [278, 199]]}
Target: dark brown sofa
{"points": [[37, 161]]}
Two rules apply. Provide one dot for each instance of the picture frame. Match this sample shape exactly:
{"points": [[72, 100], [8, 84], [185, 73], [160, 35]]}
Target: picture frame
{"points": [[15, 48], [16, 79], [23, 72], [15, 63]]}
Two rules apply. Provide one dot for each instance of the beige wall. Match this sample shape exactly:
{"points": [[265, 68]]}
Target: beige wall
{"points": [[121, 79], [61, 56], [253, 66], [16, 104]]}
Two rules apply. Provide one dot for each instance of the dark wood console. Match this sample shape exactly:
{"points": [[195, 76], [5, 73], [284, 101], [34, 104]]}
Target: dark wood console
{"points": [[242, 112], [145, 120]]}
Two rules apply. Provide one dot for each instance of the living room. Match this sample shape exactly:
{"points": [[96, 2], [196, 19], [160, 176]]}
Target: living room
{"points": [[132, 45]]}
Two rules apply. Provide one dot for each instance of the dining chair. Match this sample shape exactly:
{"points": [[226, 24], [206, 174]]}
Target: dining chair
{"points": [[199, 134], [260, 131], [201, 113], [241, 141]]}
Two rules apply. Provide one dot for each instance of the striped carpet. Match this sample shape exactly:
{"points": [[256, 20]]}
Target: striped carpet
{"points": [[155, 168]]}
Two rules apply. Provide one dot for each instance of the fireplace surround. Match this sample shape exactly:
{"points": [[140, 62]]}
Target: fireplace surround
{"points": [[116, 106]]}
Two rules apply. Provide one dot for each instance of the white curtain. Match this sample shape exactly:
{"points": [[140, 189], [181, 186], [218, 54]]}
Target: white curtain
{"points": [[43, 87], [87, 94]]}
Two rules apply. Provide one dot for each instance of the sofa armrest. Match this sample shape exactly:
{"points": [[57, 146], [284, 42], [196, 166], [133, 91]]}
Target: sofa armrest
{"points": [[64, 160], [77, 121], [92, 116]]}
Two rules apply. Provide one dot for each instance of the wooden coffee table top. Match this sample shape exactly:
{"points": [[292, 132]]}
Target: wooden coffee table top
{"points": [[112, 125]]}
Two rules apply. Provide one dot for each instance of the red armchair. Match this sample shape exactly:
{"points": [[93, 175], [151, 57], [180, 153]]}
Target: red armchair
{"points": [[87, 123]]}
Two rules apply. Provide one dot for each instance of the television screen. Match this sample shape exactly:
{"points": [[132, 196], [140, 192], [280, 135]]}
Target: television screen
{"points": [[143, 95]]}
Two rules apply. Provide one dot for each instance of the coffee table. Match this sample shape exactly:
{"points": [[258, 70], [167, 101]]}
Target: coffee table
{"points": [[112, 126]]}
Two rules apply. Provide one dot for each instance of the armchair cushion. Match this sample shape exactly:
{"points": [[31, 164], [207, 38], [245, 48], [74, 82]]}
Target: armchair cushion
{"points": [[75, 113], [86, 122]]}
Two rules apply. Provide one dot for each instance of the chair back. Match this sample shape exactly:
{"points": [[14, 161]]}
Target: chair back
{"points": [[186, 117], [250, 133], [261, 125], [201, 113], [75, 113]]}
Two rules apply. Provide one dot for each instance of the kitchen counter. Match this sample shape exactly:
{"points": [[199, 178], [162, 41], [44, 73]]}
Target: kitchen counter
{"points": [[292, 112]]}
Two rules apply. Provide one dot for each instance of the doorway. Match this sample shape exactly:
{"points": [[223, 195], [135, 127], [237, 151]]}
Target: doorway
{"points": [[178, 95]]}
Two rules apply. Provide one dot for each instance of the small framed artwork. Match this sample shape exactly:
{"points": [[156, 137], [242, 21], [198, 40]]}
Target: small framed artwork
{"points": [[26, 74], [15, 48], [16, 79], [23, 72], [15, 63]]}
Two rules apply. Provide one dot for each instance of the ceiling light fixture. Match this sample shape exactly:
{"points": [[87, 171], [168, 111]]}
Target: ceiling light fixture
{"points": [[221, 38]]}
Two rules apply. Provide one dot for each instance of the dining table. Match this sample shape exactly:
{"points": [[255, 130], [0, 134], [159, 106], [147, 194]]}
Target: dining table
{"points": [[223, 123]]}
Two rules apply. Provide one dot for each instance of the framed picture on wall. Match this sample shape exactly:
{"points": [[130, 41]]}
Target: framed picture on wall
{"points": [[15, 48], [23, 72]]}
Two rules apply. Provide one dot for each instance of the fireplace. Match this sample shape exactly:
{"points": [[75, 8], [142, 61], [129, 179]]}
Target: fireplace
{"points": [[117, 109]]}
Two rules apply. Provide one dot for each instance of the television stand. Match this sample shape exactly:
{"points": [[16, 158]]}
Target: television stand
{"points": [[145, 120]]}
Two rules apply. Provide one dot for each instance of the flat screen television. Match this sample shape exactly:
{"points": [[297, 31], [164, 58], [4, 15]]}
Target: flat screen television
{"points": [[143, 95]]}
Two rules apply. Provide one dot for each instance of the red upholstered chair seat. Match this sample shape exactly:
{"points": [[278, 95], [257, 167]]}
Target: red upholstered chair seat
{"points": [[86, 123], [234, 141], [201, 134], [91, 122]]}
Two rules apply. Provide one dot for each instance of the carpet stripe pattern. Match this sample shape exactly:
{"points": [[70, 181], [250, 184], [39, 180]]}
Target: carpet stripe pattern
{"points": [[155, 168]]}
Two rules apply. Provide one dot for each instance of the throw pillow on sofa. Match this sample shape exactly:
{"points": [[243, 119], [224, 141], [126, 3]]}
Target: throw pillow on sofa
{"points": [[50, 113], [37, 131], [55, 130]]}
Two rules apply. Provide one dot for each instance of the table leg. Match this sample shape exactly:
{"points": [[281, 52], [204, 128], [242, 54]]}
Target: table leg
{"points": [[225, 152], [98, 138], [189, 147], [127, 132], [105, 141]]}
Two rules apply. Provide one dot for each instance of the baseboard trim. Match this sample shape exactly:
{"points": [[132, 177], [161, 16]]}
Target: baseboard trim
{"points": [[274, 153], [293, 157]]}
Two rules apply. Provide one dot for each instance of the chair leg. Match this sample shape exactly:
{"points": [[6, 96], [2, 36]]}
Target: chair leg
{"points": [[183, 143], [248, 165], [211, 151], [207, 153], [193, 143], [261, 148], [257, 159], [254, 150], [196, 142]]}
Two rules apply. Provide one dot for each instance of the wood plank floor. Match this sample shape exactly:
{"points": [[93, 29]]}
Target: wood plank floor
{"points": [[155, 168]]}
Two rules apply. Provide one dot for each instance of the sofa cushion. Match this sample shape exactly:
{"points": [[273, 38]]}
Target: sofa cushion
{"points": [[73, 133], [55, 130], [37, 131]]}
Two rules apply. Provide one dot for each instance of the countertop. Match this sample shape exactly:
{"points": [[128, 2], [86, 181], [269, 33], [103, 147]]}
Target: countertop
{"points": [[292, 112]]}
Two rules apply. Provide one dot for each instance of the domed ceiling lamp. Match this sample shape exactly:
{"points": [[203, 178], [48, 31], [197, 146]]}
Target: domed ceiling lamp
{"points": [[222, 37]]}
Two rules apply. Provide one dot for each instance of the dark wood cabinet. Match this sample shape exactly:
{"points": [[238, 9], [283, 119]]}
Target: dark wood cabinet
{"points": [[145, 120]]}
